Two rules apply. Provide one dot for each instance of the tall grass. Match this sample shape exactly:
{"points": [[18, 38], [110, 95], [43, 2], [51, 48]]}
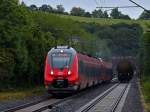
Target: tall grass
{"points": [[146, 91]]}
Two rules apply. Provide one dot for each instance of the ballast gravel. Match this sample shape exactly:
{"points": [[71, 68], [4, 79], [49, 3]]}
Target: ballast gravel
{"points": [[78, 101], [14, 103], [133, 101]]}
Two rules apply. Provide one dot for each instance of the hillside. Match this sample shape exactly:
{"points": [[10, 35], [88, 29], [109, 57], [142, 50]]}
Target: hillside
{"points": [[102, 21]]}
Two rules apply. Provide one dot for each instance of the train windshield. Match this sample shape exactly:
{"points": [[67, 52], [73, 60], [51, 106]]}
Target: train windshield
{"points": [[61, 60]]}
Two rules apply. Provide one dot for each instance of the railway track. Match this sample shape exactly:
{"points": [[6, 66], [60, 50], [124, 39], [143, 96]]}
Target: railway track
{"points": [[114, 94], [108, 101], [44, 105]]}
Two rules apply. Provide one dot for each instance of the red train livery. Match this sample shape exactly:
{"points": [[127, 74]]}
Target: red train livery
{"points": [[68, 71]]}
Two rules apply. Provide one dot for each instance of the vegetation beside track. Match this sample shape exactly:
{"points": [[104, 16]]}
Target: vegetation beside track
{"points": [[21, 93], [145, 82], [146, 93], [104, 21]]}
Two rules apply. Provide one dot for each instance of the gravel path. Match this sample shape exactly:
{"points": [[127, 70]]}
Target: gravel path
{"points": [[133, 101]]}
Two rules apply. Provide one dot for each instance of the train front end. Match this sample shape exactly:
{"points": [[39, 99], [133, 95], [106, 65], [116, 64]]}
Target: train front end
{"points": [[61, 70]]}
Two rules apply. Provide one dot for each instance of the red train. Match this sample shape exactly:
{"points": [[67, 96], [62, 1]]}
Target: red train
{"points": [[68, 71]]}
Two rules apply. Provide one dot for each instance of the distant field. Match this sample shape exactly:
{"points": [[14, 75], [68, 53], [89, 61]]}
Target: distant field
{"points": [[101, 21]]}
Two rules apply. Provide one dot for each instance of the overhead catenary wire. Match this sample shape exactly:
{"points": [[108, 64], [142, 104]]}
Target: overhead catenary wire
{"points": [[111, 8], [119, 7], [139, 6], [96, 2], [136, 6]]}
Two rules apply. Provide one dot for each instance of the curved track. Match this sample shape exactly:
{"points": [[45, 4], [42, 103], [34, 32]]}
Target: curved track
{"points": [[107, 101]]}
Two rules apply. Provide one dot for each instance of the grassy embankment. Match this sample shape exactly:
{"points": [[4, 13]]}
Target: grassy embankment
{"points": [[145, 82], [20, 93], [145, 87], [102, 21]]}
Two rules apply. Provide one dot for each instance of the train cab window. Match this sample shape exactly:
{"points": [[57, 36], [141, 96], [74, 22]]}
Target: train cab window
{"points": [[61, 60]]}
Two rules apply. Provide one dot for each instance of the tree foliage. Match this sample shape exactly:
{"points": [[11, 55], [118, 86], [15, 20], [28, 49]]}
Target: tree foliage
{"points": [[121, 39], [45, 8], [99, 14], [77, 11], [60, 9], [146, 53], [116, 14], [33, 7], [25, 38], [145, 15]]}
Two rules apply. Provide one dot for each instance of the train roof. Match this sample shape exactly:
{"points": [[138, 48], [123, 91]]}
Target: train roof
{"points": [[88, 59], [65, 49], [82, 56]]}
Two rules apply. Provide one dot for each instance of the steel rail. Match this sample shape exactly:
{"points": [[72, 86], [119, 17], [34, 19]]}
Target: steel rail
{"points": [[48, 106], [118, 100], [91, 104], [24, 105], [95, 101], [56, 104]]}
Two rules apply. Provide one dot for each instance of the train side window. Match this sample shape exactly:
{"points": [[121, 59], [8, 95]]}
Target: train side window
{"points": [[84, 68], [79, 64], [90, 71], [99, 71], [81, 67], [87, 70]]}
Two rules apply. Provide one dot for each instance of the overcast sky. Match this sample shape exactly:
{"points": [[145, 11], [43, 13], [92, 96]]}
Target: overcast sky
{"points": [[90, 5]]}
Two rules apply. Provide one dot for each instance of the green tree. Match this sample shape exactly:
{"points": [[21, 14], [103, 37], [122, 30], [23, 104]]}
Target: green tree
{"points": [[98, 13], [77, 11], [33, 7], [106, 14], [146, 46], [46, 8], [115, 13], [87, 14], [145, 15], [60, 9], [13, 30]]}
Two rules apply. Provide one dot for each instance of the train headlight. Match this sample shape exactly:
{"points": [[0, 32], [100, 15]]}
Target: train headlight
{"points": [[52, 73], [61, 51], [69, 72]]}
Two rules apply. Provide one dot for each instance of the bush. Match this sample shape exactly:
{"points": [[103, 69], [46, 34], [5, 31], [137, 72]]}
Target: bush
{"points": [[146, 46]]}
